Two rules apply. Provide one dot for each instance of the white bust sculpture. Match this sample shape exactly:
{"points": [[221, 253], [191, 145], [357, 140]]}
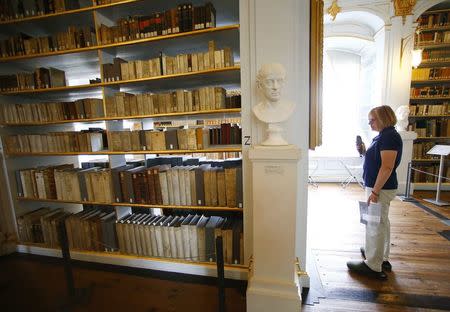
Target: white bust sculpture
{"points": [[402, 114], [272, 110]]}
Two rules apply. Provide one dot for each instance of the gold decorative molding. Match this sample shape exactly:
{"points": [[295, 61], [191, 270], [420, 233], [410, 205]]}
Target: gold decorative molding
{"points": [[316, 74], [404, 7], [300, 272], [334, 9]]}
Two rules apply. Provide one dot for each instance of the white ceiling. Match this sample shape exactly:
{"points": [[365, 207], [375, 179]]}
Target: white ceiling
{"points": [[348, 21]]}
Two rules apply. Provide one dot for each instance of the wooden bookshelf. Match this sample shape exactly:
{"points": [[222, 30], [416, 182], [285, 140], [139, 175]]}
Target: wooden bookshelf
{"points": [[180, 114], [211, 208], [87, 62], [125, 82], [68, 12], [120, 44], [164, 152], [233, 271]]}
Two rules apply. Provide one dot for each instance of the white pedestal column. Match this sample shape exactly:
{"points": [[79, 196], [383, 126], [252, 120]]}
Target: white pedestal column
{"points": [[272, 283], [402, 171]]}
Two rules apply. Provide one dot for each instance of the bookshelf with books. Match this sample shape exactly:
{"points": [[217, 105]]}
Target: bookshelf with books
{"points": [[157, 98], [430, 99]]}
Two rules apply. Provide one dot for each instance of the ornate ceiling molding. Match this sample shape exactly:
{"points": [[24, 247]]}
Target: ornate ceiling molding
{"points": [[334, 9]]}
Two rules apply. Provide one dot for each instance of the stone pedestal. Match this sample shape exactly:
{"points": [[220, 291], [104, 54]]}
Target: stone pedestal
{"points": [[272, 283], [402, 171]]}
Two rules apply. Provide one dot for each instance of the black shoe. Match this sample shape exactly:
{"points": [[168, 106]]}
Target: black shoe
{"points": [[386, 265], [361, 268]]}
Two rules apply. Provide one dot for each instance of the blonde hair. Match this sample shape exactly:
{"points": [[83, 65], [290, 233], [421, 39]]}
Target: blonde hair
{"points": [[385, 116]]}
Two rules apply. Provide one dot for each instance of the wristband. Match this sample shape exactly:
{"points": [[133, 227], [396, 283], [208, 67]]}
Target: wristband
{"points": [[377, 195]]}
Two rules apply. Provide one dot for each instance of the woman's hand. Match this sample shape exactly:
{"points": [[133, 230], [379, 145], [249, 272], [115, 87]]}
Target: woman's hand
{"points": [[372, 198]]}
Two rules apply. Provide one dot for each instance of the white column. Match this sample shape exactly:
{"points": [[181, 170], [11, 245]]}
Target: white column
{"points": [[272, 282], [277, 31], [402, 171], [399, 42]]}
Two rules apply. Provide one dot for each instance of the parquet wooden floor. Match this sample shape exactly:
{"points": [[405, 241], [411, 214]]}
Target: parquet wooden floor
{"points": [[420, 280]]}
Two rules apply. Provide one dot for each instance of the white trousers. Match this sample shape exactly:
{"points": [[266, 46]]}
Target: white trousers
{"points": [[378, 235]]}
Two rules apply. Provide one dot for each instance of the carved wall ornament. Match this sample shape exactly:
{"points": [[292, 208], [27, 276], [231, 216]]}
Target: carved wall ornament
{"points": [[334, 9], [404, 7]]}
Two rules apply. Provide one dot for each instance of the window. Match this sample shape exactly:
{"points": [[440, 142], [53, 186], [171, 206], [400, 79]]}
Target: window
{"points": [[348, 93]]}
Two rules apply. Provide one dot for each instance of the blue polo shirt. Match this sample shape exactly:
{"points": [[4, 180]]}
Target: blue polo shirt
{"points": [[387, 140]]}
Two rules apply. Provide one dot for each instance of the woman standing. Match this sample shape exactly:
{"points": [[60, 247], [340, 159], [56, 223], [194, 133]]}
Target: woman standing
{"points": [[380, 179]]}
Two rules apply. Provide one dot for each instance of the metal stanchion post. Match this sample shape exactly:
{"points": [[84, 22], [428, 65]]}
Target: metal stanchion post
{"points": [[407, 197], [75, 296], [220, 273]]}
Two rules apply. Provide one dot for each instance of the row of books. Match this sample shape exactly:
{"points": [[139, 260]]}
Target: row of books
{"points": [[184, 17], [96, 139], [214, 58], [430, 73], [433, 37], [433, 91], [17, 9], [424, 109], [122, 105], [41, 78], [73, 38], [420, 150], [435, 55], [437, 127], [191, 185], [191, 237], [48, 112], [434, 20], [203, 99], [429, 174]]}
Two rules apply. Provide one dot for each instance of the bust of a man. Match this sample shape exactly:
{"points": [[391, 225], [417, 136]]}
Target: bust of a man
{"points": [[270, 81], [272, 109], [402, 114]]}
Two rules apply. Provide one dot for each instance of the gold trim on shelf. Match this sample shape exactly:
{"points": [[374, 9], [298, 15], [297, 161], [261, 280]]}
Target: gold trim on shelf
{"points": [[128, 256], [194, 113], [434, 28], [132, 205], [432, 45], [85, 9], [119, 44], [433, 138], [428, 116], [431, 81], [431, 98], [105, 84], [434, 11], [218, 150]]}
